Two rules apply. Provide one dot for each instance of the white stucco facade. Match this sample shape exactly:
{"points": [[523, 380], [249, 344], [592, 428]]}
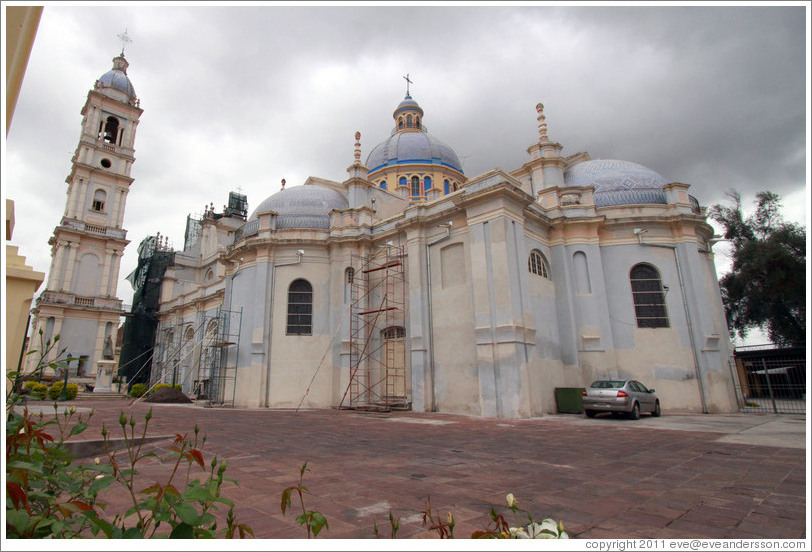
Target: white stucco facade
{"points": [[480, 297]]}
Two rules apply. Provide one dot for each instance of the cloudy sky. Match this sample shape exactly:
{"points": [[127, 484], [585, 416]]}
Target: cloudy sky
{"points": [[242, 97]]}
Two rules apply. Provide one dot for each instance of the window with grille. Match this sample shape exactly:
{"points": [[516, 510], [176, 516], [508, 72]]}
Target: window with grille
{"points": [[537, 264], [300, 308], [415, 185], [395, 332], [648, 296], [99, 197]]}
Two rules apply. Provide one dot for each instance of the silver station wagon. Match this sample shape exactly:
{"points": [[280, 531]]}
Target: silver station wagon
{"points": [[628, 397]]}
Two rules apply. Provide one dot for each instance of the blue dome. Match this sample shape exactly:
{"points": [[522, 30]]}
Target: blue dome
{"points": [[303, 206], [117, 79], [618, 182], [408, 103], [412, 147]]}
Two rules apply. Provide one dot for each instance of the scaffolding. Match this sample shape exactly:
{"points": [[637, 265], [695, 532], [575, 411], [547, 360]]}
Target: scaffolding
{"points": [[377, 331], [205, 356]]}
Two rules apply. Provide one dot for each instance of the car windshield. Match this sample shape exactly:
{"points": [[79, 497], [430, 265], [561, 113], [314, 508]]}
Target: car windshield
{"points": [[607, 384]]}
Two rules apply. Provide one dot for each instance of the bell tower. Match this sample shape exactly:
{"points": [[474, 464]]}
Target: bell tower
{"points": [[79, 302]]}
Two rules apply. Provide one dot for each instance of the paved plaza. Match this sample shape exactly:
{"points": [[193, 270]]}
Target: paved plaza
{"points": [[731, 476]]}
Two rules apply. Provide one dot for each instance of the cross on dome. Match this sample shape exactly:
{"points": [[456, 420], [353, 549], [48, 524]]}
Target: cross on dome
{"points": [[408, 82], [125, 39]]}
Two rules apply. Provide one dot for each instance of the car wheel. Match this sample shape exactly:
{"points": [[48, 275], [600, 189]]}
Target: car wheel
{"points": [[635, 413], [656, 412], [590, 413]]}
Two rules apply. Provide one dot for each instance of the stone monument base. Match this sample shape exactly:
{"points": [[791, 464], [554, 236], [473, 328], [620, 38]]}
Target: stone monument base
{"points": [[104, 376]]}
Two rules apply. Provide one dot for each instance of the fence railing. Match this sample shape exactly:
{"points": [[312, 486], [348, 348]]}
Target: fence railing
{"points": [[771, 381]]}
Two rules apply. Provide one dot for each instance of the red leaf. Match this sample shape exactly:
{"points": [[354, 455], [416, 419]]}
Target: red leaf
{"points": [[85, 507], [195, 455], [17, 495], [153, 489]]}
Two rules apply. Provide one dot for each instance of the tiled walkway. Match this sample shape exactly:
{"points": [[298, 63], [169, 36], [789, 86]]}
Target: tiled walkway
{"points": [[604, 480]]}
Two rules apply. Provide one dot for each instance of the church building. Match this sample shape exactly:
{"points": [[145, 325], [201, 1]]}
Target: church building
{"points": [[406, 285], [411, 285]]}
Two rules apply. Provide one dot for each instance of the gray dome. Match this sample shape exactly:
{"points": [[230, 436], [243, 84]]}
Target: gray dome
{"points": [[412, 147], [617, 182], [303, 206], [117, 78]]}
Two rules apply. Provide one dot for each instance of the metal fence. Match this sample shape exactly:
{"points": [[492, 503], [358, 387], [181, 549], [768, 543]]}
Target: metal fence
{"points": [[771, 379]]}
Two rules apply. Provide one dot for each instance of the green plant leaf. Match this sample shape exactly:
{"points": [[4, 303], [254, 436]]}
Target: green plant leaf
{"points": [[78, 428], [225, 501], [98, 523], [133, 533], [196, 493], [182, 531], [103, 468], [317, 522], [101, 483], [21, 465], [186, 513], [17, 520]]}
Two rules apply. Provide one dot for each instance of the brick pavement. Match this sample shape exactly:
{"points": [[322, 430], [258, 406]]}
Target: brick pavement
{"points": [[603, 481]]}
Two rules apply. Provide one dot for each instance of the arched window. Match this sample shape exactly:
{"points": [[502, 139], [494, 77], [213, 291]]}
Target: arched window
{"points": [[383, 184], [537, 264], [427, 183], [99, 198], [400, 122], [402, 181], [209, 275], [417, 122], [415, 186], [211, 332], [110, 134], [648, 296], [300, 308], [349, 276], [409, 121], [446, 187]]}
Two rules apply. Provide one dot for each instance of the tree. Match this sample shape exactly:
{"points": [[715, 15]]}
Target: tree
{"points": [[766, 286]]}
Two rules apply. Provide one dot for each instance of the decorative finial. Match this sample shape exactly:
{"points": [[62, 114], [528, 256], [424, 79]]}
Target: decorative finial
{"points": [[125, 39], [283, 183], [542, 124], [408, 82], [357, 147]]}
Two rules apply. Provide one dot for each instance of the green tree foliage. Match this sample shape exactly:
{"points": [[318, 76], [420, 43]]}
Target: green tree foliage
{"points": [[766, 286]]}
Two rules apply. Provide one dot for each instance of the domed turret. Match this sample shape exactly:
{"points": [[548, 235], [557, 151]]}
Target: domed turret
{"points": [[413, 161], [618, 182], [116, 80]]}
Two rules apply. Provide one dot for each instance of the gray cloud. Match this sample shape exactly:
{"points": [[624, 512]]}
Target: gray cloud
{"points": [[245, 96]]}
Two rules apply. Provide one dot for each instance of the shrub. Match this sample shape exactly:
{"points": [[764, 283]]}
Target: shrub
{"points": [[72, 391], [29, 385], [55, 391], [138, 389], [39, 390]]}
